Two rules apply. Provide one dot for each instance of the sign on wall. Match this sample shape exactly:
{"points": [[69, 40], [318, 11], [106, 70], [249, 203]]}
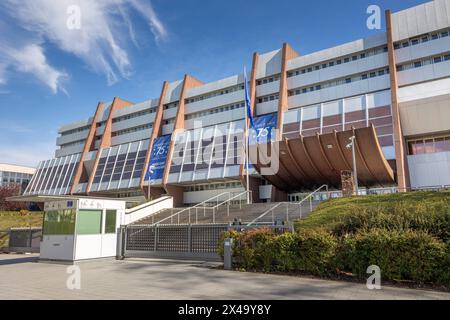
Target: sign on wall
{"points": [[158, 157]]}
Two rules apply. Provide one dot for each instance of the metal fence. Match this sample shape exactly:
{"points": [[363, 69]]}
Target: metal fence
{"points": [[22, 239], [177, 241]]}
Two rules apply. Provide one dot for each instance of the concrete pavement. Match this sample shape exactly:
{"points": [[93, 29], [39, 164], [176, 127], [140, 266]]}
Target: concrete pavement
{"points": [[22, 277]]}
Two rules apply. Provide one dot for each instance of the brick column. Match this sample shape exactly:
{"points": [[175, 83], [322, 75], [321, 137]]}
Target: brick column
{"points": [[400, 154], [176, 191], [287, 54], [88, 146], [156, 132], [106, 137]]}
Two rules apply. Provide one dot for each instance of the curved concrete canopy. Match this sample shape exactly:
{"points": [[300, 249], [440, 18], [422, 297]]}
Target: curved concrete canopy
{"points": [[308, 162]]}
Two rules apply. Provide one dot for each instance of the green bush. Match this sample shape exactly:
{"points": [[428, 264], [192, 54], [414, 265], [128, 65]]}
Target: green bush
{"points": [[401, 255], [406, 234], [261, 249]]}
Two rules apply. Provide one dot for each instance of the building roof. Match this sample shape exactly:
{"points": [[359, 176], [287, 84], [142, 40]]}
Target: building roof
{"points": [[16, 168]]}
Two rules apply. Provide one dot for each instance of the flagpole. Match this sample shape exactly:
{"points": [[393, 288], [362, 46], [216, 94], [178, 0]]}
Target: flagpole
{"points": [[246, 138]]}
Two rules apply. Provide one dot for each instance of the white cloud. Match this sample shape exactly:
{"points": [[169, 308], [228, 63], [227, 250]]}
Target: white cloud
{"points": [[31, 59], [99, 41]]}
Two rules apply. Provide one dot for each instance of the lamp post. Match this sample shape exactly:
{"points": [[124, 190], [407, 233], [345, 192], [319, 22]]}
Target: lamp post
{"points": [[150, 172], [355, 171]]}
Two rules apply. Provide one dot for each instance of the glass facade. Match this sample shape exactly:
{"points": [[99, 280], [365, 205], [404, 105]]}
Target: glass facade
{"points": [[200, 151], [342, 115], [429, 145], [120, 167], [54, 177]]}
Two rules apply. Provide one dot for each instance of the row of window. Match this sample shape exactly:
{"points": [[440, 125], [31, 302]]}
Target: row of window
{"points": [[7, 178], [268, 98], [73, 144], [268, 80], [134, 115], [215, 93], [131, 130], [429, 145], [169, 121], [424, 62], [421, 39], [214, 110], [77, 130], [329, 84], [339, 61], [171, 105], [213, 186]]}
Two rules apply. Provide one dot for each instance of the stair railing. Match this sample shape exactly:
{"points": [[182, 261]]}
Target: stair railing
{"points": [[300, 204], [201, 205]]}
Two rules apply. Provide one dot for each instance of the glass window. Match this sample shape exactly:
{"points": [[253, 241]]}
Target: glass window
{"points": [[447, 57], [61, 222], [110, 221], [437, 59], [434, 36], [444, 34], [89, 222], [346, 60], [417, 64], [405, 44], [414, 42]]}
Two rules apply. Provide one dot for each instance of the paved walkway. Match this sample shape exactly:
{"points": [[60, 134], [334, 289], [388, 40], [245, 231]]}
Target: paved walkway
{"points": [[21, 277]]}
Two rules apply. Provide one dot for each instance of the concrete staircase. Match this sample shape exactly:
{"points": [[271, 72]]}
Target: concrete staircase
{"points": [[244, 214]]}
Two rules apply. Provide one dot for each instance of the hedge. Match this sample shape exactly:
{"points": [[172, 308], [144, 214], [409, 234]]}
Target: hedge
{"points": [[402, 255]]}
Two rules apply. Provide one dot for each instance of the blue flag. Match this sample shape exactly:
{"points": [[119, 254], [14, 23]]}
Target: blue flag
{"points": [[247, 101]]}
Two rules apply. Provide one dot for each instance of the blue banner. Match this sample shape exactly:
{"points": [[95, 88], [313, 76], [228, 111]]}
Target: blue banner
{"points": [[158, 157], [264, 129]]}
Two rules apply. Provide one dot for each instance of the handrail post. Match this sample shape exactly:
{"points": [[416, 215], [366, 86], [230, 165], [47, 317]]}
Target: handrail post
{"points": [[310, 204], [273, 216], [196, 216], [287, 212]]}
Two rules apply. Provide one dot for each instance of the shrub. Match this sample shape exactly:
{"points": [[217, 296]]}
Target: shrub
{"points": [[401, 255], [261, 249]]}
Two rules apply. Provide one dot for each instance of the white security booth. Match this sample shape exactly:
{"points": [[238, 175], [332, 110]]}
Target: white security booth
{"points": [[80, 229]]}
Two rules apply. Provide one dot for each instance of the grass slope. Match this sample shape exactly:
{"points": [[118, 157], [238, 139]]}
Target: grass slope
{"points": [[426, 211]]}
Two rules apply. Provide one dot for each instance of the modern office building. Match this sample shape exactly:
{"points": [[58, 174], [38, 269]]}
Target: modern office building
{"points": [[391, 91], [15, 175]]}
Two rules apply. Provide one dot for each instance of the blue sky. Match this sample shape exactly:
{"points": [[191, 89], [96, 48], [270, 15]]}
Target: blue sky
{"points": [[51, 75]]}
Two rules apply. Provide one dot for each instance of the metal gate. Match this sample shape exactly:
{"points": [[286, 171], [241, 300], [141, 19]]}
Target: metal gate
{"points": [[25, 240], [199, 242]]}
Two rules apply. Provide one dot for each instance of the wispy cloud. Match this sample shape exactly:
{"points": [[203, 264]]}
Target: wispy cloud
{"points": [[27, 154], [31, 59], [99, 43]]}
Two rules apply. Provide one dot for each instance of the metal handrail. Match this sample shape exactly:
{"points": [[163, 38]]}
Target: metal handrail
{"points": [[199, 205], [287, 204], [227, 202]]}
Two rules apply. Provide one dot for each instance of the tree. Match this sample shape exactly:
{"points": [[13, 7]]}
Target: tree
{"points": [[10, 191]]}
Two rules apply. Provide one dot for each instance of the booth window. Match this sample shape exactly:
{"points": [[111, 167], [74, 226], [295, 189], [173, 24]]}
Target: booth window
{"points": [[110, 221], [89, 222], [60, 222]]}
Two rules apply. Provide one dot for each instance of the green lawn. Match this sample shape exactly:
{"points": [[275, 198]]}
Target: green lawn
{"points": [[15, 220]]}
